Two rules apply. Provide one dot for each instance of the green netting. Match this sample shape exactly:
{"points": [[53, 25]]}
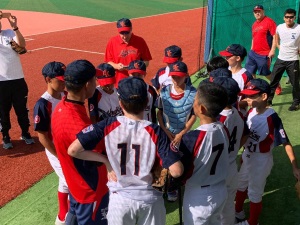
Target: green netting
{"points": [[232, 20]]}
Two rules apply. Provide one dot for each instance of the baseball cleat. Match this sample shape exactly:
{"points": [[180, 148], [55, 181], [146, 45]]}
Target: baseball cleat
{"points": [[240, 217], [59, 222], [7, 143], [27, 138], [294, 107]]}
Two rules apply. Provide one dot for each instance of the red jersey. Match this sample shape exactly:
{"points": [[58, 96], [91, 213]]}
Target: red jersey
{"points": [[86, 180], [262, 35], [119, 52]]}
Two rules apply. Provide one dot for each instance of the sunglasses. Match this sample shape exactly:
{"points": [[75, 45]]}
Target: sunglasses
{"points": [[289, 17]]}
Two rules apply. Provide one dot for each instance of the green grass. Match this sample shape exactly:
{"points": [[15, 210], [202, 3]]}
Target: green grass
{"points": [[103, 9]]}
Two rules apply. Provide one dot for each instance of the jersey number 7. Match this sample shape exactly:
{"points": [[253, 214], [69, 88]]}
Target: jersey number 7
{"points": [[219, 149]]}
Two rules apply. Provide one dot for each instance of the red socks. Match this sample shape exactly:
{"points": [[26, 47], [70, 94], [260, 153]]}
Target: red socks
{"points": [[240, 198], [255, 210], [63, 205]]}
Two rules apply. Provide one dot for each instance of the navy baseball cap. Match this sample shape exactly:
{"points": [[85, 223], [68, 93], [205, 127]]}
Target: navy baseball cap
{"points": [[137, 66], [133, 90], [258, 8], [79, 71], [54, 70], [234, 49], [178, 69], [256, 86], [172, 54], [105, 74], [124, 24], [220, 72], [231, 87]]}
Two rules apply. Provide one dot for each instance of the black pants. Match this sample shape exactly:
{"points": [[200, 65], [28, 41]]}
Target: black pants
{"points": [[13, 93], [292, 69]]}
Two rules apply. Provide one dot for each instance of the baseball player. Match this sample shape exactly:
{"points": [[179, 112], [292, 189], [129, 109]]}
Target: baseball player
{"points": [[53, 73], [137, 68], [105, 101], [266, 132], [86, 178], [133, 145], [234, 122], [207, 147]]}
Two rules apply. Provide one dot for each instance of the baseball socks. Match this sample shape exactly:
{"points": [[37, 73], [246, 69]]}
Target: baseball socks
{"points": [[255, 210], [63, 205], [240, 198]]}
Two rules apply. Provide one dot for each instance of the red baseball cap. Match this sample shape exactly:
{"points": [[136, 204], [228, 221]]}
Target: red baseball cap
{"points": [[105, 74]]}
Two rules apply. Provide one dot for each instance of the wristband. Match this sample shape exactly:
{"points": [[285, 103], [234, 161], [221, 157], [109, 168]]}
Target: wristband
{"points": [[15, 29]]}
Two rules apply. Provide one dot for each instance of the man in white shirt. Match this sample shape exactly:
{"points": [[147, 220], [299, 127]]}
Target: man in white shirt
{"points": [[288, 41], [13, 88]]}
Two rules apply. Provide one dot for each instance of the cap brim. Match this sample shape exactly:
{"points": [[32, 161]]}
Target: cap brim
{"points": [[61, 78], [257, 10], [169, 60], [225, 53], [137, 71], [178, 74], [106, 81], [249, 92], [121, 29]]}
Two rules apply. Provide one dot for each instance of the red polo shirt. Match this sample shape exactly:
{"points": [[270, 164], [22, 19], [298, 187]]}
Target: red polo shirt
{"points": [[262, 35], [119, 52]]}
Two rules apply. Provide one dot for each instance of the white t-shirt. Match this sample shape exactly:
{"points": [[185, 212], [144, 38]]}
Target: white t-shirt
{"points": [[289, 42], [10, 64]]}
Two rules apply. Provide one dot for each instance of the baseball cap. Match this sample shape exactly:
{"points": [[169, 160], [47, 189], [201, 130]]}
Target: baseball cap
{"points": [[54, 70], [256, 86], [231, 87], [234, 49], [178, 69], [132, 89], [172, 54], [220, 72], [105, 74], [258, 8], [137, 66], [124, 24], [79, 72]]}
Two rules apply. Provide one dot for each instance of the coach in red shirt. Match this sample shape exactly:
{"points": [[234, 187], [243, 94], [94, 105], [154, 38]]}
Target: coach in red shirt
{"points": [[86, 179], [124, 48], [263, 43]]}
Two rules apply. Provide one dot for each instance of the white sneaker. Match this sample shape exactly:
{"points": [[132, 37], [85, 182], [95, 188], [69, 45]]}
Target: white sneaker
{"points": [[240, 216], [59, 222]]}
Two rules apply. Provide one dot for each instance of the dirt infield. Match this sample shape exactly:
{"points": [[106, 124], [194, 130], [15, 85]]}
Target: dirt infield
{"points": [[66, 38]]}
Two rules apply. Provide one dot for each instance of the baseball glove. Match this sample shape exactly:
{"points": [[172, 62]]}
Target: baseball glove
{"points": [[17, 48], [297, 186], [160, 178]]}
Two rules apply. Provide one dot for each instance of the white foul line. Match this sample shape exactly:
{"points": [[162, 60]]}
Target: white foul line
{"points": [[69, 49]]}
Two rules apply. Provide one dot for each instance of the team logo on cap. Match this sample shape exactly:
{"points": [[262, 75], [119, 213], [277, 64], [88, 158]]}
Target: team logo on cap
{"points": [[250, 86], [169, 53], [227, 48], [176, 67], [106, 73], [122, 24], [136, 65]]}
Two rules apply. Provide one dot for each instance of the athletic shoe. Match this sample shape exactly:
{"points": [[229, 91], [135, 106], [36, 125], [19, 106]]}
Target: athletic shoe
{"points": [[278, 90], [294, 107], [172, 196], [27, 138], [59, 222], [7, 143], [240, 216]]}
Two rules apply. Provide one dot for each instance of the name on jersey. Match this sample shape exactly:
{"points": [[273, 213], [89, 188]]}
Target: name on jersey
{"points": [[253, 135], [88, 129], [127, 52]]}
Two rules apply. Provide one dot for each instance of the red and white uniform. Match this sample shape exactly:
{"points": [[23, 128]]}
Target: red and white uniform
{"points": [[119, 52], [205, 190], [262, 35], [162, 78], [242, 78], [104, 105], [234, 122], [42, 122], [266, 132], [132, 147]]}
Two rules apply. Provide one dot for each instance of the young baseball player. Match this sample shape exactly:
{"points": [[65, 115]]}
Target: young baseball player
{"points": [[85, 178], [105, 102], [137, 68], [234, 122], [53, 73], [175, 104], [218, 67], [133, 145], [266, 132], [207, 147], [161, 79]]}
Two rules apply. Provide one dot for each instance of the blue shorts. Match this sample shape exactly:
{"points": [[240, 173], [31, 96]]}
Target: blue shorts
{"points": [[89, 213], [258, 63]]}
